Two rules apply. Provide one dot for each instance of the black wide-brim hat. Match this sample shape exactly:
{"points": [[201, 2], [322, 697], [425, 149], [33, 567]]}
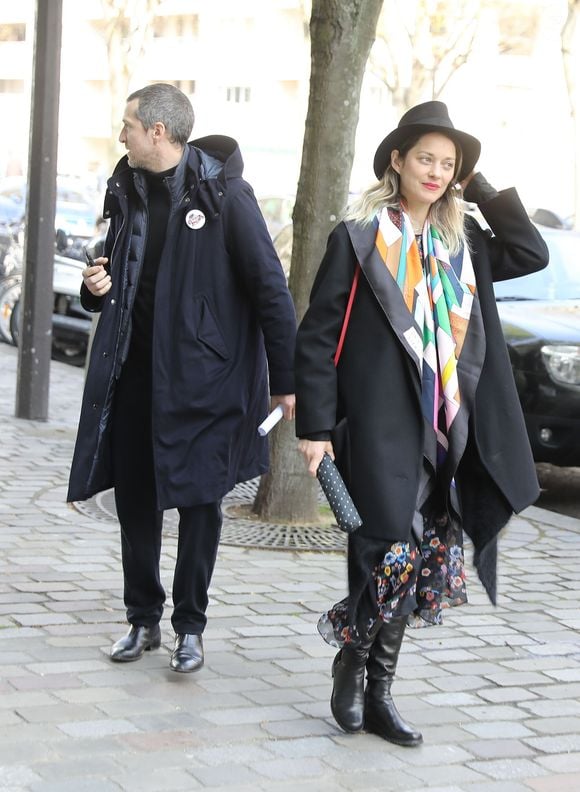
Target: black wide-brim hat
{"points": [[419, 120]]}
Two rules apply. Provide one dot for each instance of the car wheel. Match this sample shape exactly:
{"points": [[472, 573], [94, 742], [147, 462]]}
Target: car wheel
{"points": [[9, 295]]}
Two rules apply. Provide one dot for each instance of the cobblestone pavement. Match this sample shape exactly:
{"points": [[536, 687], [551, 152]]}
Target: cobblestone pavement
{"points": [[496, 691]]}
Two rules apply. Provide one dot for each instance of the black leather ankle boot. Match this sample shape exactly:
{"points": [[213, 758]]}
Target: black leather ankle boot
{"points": [[348, 699], [380, 714]]}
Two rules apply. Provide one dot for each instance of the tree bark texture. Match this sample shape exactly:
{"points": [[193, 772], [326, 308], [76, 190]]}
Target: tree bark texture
{"points": [[341, 37]]}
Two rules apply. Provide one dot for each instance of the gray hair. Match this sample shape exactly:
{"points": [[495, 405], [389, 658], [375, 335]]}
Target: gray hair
{"points": [[166, 103]]}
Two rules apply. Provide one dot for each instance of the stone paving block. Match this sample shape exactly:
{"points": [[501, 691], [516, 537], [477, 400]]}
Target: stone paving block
{"points": [[27, 749], [451, 699], [240, 685], [497, 712], [374, 781], [318, 692], [56, 713], [97, 728], [563, 782], [306, 666], [281, 643], [20, 634], [72, 642], [282, 769], [501, 786], [272, 654], [425, 715], [449, 682], [82, 784], [448, 774], [562, 691], [15, 597], [278, 696], [134, 708], [554, 745], [242, 753], [17, 777], [443, 754], [561, 763], [564, 674], [507, 694], [70, 667], [12, 701], [557, 725], [63, 769], [251, 715], [222, 776], [52, 683], [166, 779], [552, 707], [515, 678], [114, 677], [306, 727], [498, 749], [509, 769], [537, 663], [90, 695], [496, 729], [379, 759]]}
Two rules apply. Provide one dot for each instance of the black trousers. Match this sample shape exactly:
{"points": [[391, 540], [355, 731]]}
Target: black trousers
{"points": [[141, 522]]}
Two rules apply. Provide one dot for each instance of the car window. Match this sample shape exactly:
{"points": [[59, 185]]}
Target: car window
{"points": [[560, 280]]}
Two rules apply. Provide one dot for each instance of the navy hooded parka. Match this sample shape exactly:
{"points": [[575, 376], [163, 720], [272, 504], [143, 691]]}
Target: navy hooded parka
{"points": [[223, 331]]}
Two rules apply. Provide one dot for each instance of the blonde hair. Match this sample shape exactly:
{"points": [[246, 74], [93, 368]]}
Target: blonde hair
{"points": [[446, 214]]}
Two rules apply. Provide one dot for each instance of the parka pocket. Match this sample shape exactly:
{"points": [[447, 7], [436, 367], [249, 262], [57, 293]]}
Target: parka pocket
{"points": [[208, 331]]}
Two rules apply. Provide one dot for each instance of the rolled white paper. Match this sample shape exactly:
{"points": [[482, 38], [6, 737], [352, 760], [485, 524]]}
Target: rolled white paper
{"points": [[270, 422]]}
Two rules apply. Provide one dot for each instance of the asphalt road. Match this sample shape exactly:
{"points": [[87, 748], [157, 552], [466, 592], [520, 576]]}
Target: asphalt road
{"points": [[560, 489]]}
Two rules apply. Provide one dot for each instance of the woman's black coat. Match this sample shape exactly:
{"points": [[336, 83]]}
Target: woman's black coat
{"points": [[224, 323], [376, 387]]}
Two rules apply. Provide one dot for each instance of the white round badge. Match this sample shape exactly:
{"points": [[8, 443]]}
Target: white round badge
{"points": [[195, 219]]}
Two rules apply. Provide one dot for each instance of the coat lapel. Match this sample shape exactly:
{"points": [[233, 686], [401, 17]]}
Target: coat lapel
{"points": [[385, 287]]}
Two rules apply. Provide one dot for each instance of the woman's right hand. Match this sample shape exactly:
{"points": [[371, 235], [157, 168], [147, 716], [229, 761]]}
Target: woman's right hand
{"points": [[96, 278], [313, 451]]}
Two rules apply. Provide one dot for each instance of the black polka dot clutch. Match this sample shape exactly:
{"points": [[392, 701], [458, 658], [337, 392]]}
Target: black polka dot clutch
{"points": [[333, 486]]}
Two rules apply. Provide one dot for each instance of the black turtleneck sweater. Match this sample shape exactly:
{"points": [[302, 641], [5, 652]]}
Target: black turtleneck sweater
{"points": [[158, 203]]}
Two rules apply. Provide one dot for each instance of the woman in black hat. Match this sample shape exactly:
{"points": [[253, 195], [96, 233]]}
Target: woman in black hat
{"points": [[402, 374]]}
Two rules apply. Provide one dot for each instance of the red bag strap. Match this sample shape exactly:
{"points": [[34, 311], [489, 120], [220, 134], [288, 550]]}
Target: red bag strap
{"points": [[346, 319]]}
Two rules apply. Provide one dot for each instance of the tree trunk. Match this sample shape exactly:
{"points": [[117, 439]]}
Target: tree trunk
{"points": [[341, 37]]}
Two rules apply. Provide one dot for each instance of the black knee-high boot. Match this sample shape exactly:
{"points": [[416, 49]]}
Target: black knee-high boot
{"points": [[380, 714], [348, 699]]}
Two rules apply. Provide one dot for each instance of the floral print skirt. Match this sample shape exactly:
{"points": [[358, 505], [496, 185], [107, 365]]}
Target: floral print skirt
{"points": [[416, 582]]}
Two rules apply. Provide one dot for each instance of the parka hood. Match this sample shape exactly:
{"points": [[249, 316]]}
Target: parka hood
{"points": [[211, 162], [223, 149], [216, 153]]}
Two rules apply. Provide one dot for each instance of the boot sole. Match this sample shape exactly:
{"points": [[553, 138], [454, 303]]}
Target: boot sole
{"points": [[368, 727], [186, 670]]}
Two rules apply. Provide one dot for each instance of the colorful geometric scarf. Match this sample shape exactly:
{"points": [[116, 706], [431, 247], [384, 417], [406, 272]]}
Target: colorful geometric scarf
{"points": [[438, 291]]}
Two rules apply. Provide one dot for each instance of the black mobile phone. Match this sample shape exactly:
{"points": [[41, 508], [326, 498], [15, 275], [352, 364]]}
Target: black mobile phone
{"points": [[89, 258]]}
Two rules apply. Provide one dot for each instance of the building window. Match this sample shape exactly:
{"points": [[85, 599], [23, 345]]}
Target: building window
{"points": [[11, 86], [238, 93], [13, 32], [176, 26]]}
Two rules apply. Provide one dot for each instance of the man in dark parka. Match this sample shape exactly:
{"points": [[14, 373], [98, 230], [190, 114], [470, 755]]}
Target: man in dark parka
{"points": [[196, 322]]}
